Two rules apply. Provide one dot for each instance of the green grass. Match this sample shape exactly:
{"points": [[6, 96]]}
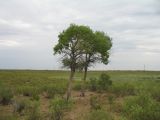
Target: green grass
{"points": [[47, 84]]}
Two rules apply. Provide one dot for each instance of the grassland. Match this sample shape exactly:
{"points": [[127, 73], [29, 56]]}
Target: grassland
{"points": [[42, 86]]}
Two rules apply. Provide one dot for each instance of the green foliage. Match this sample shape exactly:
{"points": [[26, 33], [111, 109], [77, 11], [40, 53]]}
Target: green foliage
{"points": [[77, 86], [52, 90], [35, 96], [6, 95], [95, 103], [103, 45], [34, 111], [123, 89], [142, 107], [104, 81], [20, 105], [28, 91], [99, 115], [155, 92], [58, 106], [69, 44], [111, 99], [8, 117], [100, 84], [93, 85]]}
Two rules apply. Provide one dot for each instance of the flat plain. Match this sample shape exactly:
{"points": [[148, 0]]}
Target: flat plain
{"points": [[43, 86]]}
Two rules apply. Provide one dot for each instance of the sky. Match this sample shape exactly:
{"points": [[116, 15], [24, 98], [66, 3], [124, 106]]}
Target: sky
{"points": [[29, 30]]}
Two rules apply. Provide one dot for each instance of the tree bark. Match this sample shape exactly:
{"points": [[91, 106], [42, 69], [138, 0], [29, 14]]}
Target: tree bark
{"points": [[69, 89], [84, 82]]}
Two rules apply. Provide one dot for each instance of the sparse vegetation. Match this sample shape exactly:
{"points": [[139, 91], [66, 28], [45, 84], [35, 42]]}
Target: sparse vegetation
{"points": [[33, 111], [40, 95], [58, 107], [142, 107], [95, 103], [6, 95], [99, 115]]}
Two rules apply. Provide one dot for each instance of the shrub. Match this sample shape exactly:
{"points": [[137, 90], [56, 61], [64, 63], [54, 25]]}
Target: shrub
{"points": [[77, 86], [58, 107], [35, 96], [95, 103], [8, 117], [142, 107], [93, 84], [155, 92], [5, 95], [33, 111], [123, 89], [111, 99], [100, 84], [99, 115], [28, 91], [52, 90], [104, 81], [20, 105]]}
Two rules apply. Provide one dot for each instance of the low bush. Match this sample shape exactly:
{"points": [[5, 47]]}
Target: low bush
{"points": [[35, 96], [100, 84], [142, 107], [34, 111], [6, 95], [104, 81], [8, 117], [19, 105], [28, 90], [52, 90], [57, 108], [99, 115], [77, 86], [93, 86], [95, 103], [111, 100], [155, 92], [123, 89]]}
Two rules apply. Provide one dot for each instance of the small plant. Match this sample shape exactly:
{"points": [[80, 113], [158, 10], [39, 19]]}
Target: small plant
{"points": [[123, 89], [99, 115], [155, 92], [20, 105], [53, 90], [77, 86], [142, 107], [95, 103], [28, 91], [111, 99], [8, 117], [33, 111], [104, 81], [5, 95], [35, 96], [58, 107], [93, 84]]}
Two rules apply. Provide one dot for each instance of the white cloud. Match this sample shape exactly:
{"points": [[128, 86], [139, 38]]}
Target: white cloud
{"points": [[32, 27], [9, 43]]}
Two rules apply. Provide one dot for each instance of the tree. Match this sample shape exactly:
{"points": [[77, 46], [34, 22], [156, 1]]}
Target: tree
{"points": [[95, 48], [70, 45]]}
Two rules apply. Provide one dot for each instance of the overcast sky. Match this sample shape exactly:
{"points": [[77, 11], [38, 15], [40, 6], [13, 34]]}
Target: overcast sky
{"points": [[29, 30]]}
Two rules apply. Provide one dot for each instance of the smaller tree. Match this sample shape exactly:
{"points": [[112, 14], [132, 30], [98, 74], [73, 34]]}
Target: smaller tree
{"points": [[96, 49]]}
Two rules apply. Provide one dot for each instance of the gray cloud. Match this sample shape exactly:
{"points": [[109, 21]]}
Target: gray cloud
{"points": [[29, 30]]}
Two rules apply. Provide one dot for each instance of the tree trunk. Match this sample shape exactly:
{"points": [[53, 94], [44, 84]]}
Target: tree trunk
{"points": [[69, 89], [84, 82], [85, 73]]}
